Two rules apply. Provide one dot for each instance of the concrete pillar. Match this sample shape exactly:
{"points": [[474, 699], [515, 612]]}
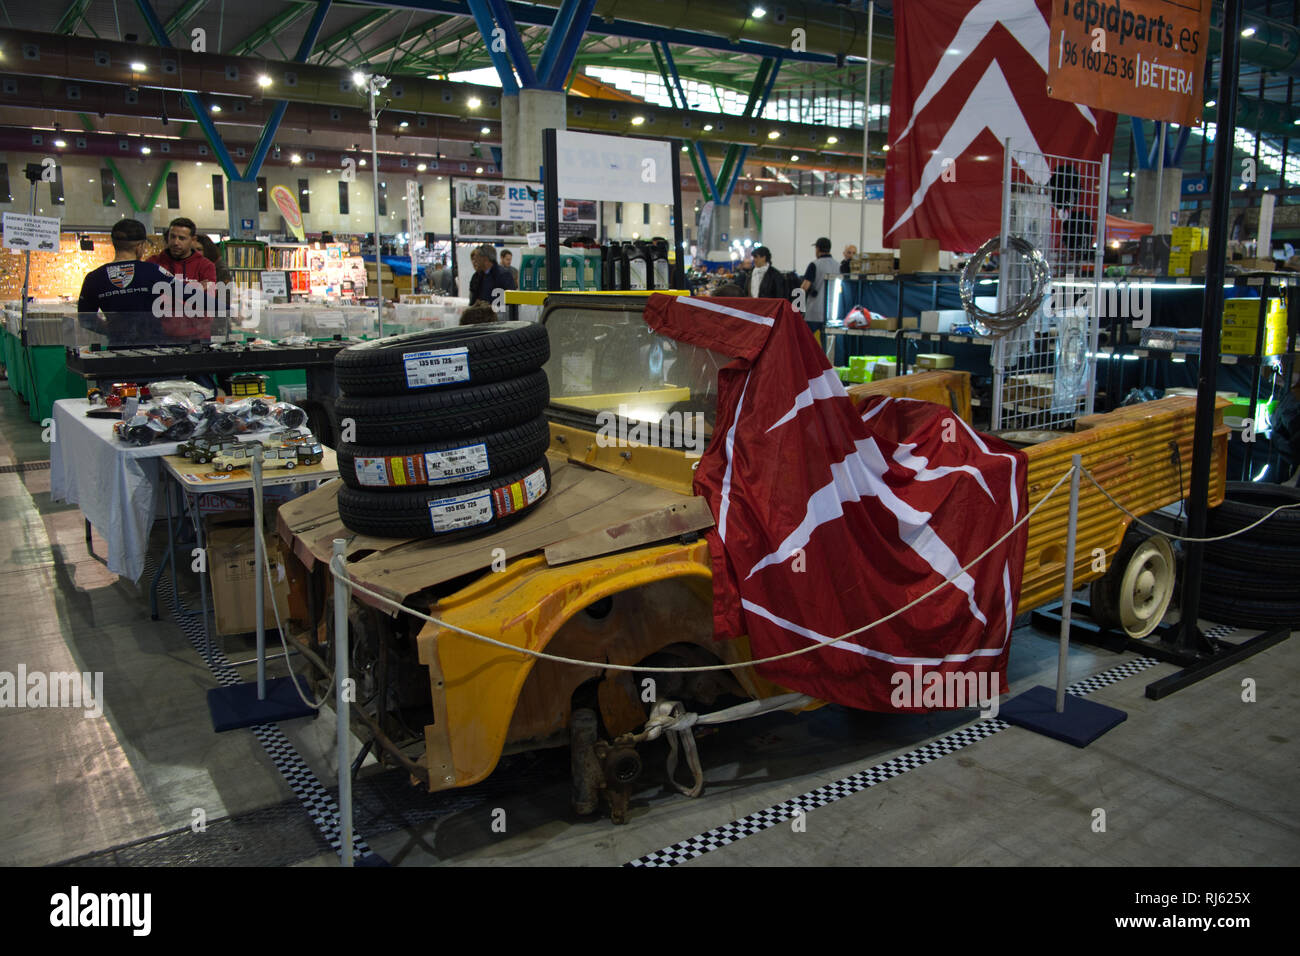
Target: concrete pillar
{"points": [[711, 243], [1144, 198], [241, 206], [521, 141]]}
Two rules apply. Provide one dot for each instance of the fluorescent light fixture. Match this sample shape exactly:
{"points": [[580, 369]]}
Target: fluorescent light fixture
{"points": [[1248, 32], [758, 13], [474, 102], [686, 149], [216, 108], [708, 127], [1211, 104], [263, 80], [422, 167], [295, 159], [60, 143], [403, 124], [145, 150], [774, 134], [479, 169], [138, 67], [362, 161], [794, 158], [832, 140], [758, 189], [885, 148], [485, 130], [638, 120]]}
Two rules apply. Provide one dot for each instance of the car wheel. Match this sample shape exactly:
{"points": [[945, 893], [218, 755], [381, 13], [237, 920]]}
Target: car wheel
{"points": [[1135, 592]]}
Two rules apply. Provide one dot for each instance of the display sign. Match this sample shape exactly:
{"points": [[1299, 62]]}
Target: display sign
{"points": [[508, 211], [275, 283], [537, 238], [1145, 58], [35, 233], [288, 206], [414, 220], [614, 168]]}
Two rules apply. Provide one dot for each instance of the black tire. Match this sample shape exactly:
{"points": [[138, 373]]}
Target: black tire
{"points": [[1226, 583], [410, 514], [495, 352], [1276, 562], [1264, 615], [448, 413], [505, 451], [1247, 501]]}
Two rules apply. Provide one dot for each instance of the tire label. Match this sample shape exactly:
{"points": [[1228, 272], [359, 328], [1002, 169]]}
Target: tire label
{"points": [[519, 494], [462, 511], [456, 464], [393, 472], [437, 367]]}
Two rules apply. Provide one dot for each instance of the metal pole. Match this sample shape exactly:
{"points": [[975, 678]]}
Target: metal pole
{"points": [[1161, 226], [1212, 310], [259, 562], [998, 352], [866, 131], [1094, 316], [1067, 596], [341, 704], [374, 163], [550, 190]]}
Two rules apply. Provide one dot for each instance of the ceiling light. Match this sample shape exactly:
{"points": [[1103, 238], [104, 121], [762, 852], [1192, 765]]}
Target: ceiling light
{"points": [[638, 120], [216, 108], [138, 67], [794, 158], [145, 150], [774, 134], [708, 127], [686, 149], [1248, 32], [60, 143], [422, 167], [403, 124], [1210, 104], [358, 78], [832, 140], [473, 102], [758, 189], [263, 80], [295, 158], [479, 169], [362, 161], [197, 163], [885, 148], [758, 13], [485, 130]]}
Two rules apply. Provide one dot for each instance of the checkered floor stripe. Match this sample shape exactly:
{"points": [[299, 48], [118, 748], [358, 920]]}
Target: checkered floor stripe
{"points": [[764, 819], [317, 801]]}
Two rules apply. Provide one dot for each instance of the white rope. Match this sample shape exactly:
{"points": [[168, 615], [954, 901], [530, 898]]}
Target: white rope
{"points": [[275, 608], [639, 669], [1178, 537]]}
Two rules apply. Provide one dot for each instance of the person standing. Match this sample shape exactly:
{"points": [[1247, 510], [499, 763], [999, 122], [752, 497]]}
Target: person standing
{"points": [[846, 264], [814, 280], [180, 257], [494, 276], [475, 279], [764, 281], [507, 257], [125, 290]]}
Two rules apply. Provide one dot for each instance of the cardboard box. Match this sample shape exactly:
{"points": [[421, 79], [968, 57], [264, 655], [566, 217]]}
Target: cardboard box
{"points": [[1200, 260], [230, 567], [1180, 264], [1243, 343], [885, 323], [1256, 265], [874, 263], [943, 320], [1188, 238], [1245, 310], [933, 360], [918, 255], [887, 368]]}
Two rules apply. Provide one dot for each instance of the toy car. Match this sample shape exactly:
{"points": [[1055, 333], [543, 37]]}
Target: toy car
{"points": [[234, 455], [119, 393], [203, 450]]}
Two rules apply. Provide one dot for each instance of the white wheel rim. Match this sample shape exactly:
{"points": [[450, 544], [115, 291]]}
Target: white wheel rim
{"points": [[1147, 587]]}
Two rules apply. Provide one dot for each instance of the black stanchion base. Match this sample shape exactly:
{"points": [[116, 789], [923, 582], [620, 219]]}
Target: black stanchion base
{"points": [[237, 706], [1080, 722], [1211, 656]]}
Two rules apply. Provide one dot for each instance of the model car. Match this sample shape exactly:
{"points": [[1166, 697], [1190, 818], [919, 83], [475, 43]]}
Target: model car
{"points": [[203, 450]]}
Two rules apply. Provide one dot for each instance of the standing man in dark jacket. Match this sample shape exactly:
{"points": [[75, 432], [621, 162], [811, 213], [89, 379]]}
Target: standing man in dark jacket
{"points": [[765, 282], [126, 290], [494, 276]]}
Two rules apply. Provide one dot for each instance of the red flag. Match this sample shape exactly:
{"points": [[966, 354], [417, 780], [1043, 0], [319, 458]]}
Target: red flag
{"points": [[968, 76], [829, 517]]}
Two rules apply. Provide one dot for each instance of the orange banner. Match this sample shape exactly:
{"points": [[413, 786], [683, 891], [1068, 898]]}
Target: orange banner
{"points": [[1145, 58]]}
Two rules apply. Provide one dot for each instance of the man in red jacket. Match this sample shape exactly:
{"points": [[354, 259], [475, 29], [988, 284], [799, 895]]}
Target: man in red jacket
{"points": [[182, 260]]}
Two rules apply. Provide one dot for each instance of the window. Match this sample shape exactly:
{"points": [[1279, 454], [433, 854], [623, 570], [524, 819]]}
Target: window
{"points": [[383, 199], [5, 194], [218, 193], [56, 187], [645, 213], [261, 194], [618, 213], [343, 198], [173, 191], [304, 195], [108, 187]]}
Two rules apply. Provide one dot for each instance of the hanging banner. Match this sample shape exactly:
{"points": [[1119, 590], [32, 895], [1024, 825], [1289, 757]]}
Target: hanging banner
{"points": [[1145, 58], [614, 168], [508, 211], [288, 207], [414, 218], [970, 75]]}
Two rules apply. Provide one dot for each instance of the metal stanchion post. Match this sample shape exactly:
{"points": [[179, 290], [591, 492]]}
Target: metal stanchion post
{"points": [[341, 705], [1067, 597], [259, 562]]}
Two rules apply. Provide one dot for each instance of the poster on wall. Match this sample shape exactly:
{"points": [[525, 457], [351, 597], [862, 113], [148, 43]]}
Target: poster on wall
{"points": [[508, 211]]}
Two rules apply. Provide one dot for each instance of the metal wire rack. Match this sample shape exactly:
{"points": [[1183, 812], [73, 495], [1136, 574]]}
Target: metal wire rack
{"points": [[1044, 375]]}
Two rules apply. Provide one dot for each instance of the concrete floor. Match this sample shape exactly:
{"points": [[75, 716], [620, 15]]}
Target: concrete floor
{"points": [[1199, 778]]}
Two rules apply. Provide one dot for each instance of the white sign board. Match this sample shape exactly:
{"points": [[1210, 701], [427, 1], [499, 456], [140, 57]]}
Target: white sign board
{"points": [[614, 168], [414, 221], [37, 233], [275, 283], [537, 238]]}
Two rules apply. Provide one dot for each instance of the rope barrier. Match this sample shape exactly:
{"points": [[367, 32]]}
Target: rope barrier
{"points": [[638, 669], [1177, 537]]}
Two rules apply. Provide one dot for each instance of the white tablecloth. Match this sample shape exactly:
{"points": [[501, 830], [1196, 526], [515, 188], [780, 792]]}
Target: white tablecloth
{"points": [[115, 484]]}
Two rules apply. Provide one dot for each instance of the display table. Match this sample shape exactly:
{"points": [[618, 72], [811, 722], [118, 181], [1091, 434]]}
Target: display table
{"points": [[115, 484]]}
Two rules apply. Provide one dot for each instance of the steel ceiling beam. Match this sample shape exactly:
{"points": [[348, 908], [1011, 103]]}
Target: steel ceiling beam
{"points": [[270, 28], [500, 61], [329, 46], [71, 16]]}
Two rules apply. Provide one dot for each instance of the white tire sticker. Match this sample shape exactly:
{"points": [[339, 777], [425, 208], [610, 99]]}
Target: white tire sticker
{"points": [[371, 471], [463, 511], [437, 367], [456, 464]]}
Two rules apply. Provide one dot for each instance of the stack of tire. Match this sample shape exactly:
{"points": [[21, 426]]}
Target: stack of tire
{"points": [[1253, 579], [447, 435]]}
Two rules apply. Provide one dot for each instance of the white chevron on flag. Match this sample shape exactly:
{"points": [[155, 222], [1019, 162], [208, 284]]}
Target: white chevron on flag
{"points": [[1021, 19], [826, 385]]}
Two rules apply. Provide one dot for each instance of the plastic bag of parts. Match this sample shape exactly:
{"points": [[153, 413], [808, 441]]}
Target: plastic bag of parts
{"points": [[257, 414], [1070, 381], [860, 318], [192, 391], [170, 418]]}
